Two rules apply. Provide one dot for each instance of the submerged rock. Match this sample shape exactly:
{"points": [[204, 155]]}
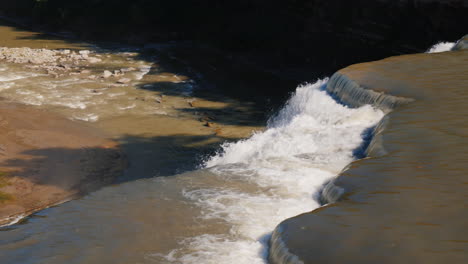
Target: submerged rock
{"points": [[124, 80], [406, 203], [107, 74], [93, 60], [462, 44]]}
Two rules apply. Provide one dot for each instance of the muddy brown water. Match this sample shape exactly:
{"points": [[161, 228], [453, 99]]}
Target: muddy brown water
{"points": [[407, 203], [163, 128]]}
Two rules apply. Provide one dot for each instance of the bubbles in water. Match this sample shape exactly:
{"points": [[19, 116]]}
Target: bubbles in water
{"points": [[441, 47], [274, 175]]}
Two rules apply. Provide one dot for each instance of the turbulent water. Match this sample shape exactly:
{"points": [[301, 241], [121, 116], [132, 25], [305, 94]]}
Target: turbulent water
{"points": [[223, 212], [441, 47], [309, 142]]}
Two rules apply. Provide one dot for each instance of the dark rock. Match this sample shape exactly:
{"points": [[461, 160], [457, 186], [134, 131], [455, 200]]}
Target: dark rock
{"points": [[462, 44]]}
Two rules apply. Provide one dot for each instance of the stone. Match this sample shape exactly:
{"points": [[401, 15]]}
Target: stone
{"points": [[127, 69], [123, 80], [209, 124], [462, 44], [93, 60], [107, 74], [84, 52], [51, 72]]}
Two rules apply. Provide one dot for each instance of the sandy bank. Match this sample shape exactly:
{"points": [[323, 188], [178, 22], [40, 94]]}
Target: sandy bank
{"points": [[46, 159]]}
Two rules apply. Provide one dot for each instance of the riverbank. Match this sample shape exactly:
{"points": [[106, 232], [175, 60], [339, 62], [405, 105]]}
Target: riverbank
{"points": [[407, 201]]}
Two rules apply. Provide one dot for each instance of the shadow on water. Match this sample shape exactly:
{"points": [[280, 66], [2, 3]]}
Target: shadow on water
{"points": [[213, 74], [81, 171], [166, 155], [150, 157], [235, 74]]}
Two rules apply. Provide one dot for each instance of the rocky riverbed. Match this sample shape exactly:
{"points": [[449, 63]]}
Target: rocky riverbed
{"points": [[72, 116]]}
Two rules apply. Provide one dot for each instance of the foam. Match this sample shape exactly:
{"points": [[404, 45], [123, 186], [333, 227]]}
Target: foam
{"points": [[308, 143], [441, 47], [86, 117], [13, 77], [13, 220], [143, 70]]}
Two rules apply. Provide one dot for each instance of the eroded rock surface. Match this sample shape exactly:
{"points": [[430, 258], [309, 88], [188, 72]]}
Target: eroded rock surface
{"points": [[407, 202]]}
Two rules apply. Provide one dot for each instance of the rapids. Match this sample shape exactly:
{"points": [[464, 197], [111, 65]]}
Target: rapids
{"points": [[222, 212]]}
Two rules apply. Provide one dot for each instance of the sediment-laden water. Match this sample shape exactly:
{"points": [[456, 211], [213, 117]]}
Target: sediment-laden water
{"points": [[222, 212], [406, 203]]}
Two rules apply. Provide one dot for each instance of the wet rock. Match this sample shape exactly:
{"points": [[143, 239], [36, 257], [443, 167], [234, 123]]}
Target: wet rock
{"points": [[218, 132], [93, 60], [84, 52], [206, 119], [209, 124], [64, 66], [462, 44], [49, 72], [107, 74], [192, 102], [124, 80], [28, 55], [127, 69]]}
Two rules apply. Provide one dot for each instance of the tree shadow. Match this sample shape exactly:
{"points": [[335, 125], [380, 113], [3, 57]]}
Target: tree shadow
{"points": [[78, 169], [69, 169], [167, 155], [212, 74]]}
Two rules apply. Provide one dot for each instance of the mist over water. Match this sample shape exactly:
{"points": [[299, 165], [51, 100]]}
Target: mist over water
{"points": [[274, 175]]}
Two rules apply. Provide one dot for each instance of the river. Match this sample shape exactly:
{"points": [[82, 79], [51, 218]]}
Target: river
{"points": [[208, 178]]}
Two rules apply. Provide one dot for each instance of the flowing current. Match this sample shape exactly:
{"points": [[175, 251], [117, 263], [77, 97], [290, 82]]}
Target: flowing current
{"points": [[274, 175], [222, 213], [441, 47]]}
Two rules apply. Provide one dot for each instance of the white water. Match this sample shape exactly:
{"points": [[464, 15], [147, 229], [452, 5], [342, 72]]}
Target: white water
{"points": [[441, 47], [309, 142]]}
